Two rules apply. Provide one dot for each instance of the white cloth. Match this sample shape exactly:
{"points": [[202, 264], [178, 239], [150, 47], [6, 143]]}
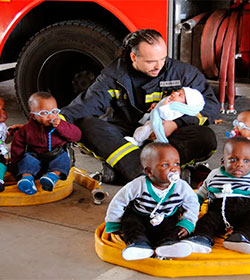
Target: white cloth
{"points": [[194, 97], [167, 114]]}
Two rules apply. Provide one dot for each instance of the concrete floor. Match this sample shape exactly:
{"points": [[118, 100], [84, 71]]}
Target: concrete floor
{"points": [[56, 240]]}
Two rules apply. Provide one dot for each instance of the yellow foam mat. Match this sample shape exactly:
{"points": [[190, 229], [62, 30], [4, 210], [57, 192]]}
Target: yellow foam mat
{"points": [[219, 262], [13, 197]]}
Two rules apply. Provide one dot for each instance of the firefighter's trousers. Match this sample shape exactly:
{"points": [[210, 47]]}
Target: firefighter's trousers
{"points": [[107, 141]]}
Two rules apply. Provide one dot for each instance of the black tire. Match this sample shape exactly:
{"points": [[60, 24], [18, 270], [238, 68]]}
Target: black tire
{"points": [[64, 59]]}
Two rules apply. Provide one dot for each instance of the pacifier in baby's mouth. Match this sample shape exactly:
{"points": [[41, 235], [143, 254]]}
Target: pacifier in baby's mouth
{"points": [[173, 177]]}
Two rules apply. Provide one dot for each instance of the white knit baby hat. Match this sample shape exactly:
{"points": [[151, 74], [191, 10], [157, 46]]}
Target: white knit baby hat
{"points": [[194, 97]]}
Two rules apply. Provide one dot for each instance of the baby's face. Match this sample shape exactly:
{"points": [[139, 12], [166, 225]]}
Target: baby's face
{"points": [[163, 161], [237, 159], [44, 104], [178, 96], [244, 117], [3, 113]]}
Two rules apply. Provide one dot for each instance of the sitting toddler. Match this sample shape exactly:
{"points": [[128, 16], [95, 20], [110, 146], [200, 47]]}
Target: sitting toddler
{"points": [[40, 145]]}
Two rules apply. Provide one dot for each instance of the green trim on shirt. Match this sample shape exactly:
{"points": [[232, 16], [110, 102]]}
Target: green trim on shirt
{"points": [[224, 172], [200, 199], [112, 226], [214, 190], [189, 226], [154, 195], [235, 191]]}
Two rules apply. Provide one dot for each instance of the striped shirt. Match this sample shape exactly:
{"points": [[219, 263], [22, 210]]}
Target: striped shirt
{"points": [[144, 199], [213, 185]]}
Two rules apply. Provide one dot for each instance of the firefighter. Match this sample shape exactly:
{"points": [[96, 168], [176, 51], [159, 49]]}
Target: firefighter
{"points": [[124, 91]]}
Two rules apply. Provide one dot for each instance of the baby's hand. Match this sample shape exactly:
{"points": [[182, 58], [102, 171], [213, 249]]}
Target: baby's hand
{"points": [[12, 129], [152, 136], [56, 121], [182, 233], [166, 100], [152, 106]]}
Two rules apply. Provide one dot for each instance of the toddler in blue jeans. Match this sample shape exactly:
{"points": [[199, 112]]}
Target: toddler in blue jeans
{"points": [[39, 146]]}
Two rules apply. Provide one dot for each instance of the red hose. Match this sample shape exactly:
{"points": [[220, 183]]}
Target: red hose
{"points": [[225, 57], [207, 43], [219, 40], [231, 73], [224, 33]]}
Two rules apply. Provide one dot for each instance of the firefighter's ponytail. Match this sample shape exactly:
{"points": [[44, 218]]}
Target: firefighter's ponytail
{"points": [[133, 39]]}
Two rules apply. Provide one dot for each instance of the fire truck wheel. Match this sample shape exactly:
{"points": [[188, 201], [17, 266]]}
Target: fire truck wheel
{"points": [[64, 59]]}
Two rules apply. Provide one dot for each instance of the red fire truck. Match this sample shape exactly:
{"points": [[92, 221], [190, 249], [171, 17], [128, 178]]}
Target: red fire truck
{"points": [[61, 45]]}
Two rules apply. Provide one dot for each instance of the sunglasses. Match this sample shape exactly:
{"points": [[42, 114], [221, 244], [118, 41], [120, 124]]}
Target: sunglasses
{"points": [[240, 125], [45, 113]]}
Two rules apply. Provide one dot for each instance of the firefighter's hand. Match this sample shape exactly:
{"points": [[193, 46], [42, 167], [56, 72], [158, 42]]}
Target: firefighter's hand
{"points": [[169, 127], [56, 121], [182, 233]]}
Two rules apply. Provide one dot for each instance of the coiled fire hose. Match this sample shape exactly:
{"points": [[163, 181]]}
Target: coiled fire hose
{"points": [[226, 33]]}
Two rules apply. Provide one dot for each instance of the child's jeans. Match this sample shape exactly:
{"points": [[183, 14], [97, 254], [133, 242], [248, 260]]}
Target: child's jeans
{"points": [[30, 164]]}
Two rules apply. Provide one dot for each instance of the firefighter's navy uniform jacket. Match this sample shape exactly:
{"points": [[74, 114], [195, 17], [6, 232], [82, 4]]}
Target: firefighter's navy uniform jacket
{"points": [[109, 111]]}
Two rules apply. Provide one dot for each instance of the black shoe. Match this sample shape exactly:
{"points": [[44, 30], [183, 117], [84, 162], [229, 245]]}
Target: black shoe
{"points": [[199, 172], [107, 174], [237, 237], [2, 188], [195, 174], [199, 244], [237, 242], [186, 175]]}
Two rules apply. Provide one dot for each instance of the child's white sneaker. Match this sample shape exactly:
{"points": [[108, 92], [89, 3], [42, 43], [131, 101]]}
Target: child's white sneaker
{"points": [[173, 250], [137, 251]]}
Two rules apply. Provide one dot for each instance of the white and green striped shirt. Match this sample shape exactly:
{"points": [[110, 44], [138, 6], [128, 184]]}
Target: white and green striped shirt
{"points": [[213, 185], [144, 198]]}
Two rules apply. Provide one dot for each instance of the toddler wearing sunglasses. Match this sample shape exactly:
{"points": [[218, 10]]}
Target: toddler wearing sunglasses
{"points": [[241, 126], [39, 147]]}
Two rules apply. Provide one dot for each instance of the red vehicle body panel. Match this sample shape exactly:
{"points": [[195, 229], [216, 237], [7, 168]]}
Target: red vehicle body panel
{"points": [[134, 14]]}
